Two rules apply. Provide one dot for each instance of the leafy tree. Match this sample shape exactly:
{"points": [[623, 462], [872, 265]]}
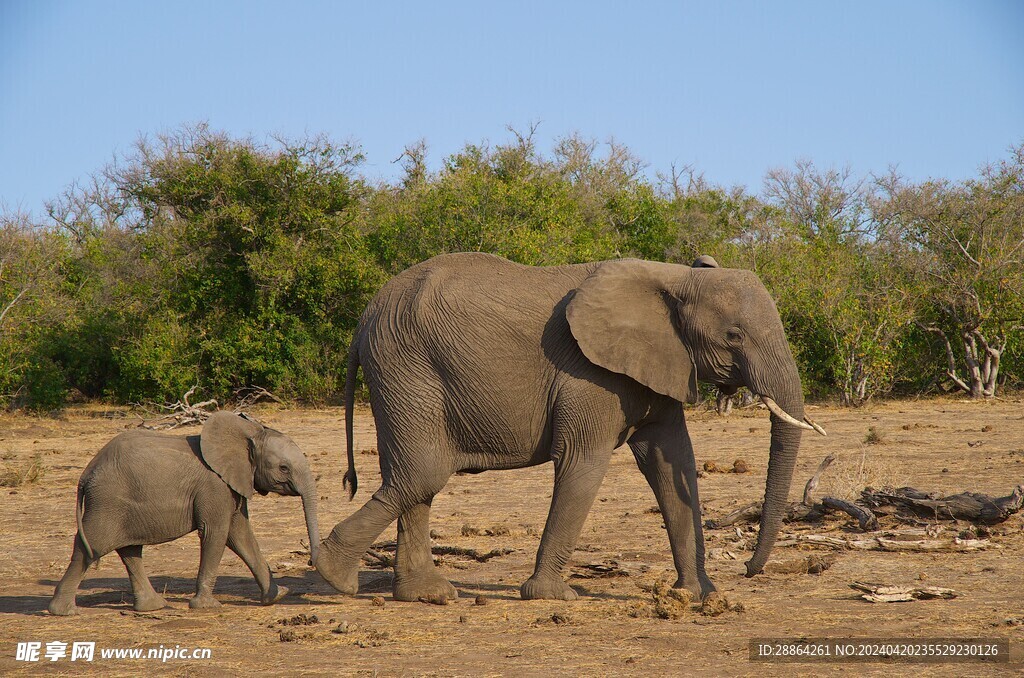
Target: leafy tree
{"points": [[264, 269], [33, 303], [507, 200], [967, 240]]}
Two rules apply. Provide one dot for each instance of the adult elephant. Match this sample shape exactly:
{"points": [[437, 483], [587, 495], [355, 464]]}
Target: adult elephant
{"points": [[476, 363]]}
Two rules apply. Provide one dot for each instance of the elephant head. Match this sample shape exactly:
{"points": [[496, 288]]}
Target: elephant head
{"points": [[668, 326], [251, 457]]}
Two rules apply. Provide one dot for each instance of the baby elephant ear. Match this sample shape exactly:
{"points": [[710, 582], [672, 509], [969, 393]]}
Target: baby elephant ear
{"points": [[225, 444]]}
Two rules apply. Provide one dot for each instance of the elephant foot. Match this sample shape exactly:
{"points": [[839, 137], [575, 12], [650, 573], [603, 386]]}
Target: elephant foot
{"points": [[62, 608], [275, 594], [425, 589], [551, 588], [149, 603], [700, 590], [203, 602], [342, 575]]}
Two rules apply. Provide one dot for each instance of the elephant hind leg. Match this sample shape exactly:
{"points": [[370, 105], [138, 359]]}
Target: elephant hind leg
{"points": [[146, 598], [63, 601], [416, 577], [341, 552]]}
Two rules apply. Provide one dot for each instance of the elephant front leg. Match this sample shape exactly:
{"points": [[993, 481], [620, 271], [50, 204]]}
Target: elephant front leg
{"points": [[577, 479], [212, 539], [416, 577], [665, 455], [243, 542], [146, 598]]}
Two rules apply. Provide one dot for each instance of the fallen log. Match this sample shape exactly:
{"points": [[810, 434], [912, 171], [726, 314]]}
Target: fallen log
{"points": [[954, 545], [379, 556], [470, 553], [880, 593], [971, 506], [748, 513], [867, 520], [751, 513]]}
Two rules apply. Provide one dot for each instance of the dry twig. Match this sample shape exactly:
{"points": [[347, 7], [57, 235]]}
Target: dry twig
{"points": [[181, 413]]}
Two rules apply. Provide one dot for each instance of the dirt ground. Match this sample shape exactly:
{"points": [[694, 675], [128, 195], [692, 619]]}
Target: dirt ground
{"points": [[940, 445]]}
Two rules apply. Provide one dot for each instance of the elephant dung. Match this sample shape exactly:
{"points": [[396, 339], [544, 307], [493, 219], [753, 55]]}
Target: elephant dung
{"points": [[665, 602], [716, 604], [738, 466]]}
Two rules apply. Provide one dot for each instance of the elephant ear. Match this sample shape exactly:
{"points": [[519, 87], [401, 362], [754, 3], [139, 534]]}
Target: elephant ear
{"points": [[225, 443], [622, 316]]}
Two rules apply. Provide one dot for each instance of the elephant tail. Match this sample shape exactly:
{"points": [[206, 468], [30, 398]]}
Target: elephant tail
{"points": [[351, 481], [79, 510]]}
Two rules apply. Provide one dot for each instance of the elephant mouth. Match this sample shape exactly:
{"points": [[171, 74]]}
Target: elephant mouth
{"points": [[807, 423]]}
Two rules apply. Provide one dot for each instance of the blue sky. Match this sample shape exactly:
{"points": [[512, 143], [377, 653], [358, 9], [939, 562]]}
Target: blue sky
{"points": [[732, 88]]}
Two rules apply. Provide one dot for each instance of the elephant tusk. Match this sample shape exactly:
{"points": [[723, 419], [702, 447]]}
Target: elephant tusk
{"points": [[815, 426], [781, 414]]}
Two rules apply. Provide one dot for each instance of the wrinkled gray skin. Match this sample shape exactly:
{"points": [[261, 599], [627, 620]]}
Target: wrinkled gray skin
{"points": [[149, 488], [476, 363]]}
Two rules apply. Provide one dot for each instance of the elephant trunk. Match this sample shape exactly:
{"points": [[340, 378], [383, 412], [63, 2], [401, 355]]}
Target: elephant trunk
{"points": [[306, 487], [781, 462]]}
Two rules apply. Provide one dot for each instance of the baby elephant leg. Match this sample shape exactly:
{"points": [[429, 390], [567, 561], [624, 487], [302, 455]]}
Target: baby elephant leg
{"points": [[63, 602], [242, 541], [146, 599]]}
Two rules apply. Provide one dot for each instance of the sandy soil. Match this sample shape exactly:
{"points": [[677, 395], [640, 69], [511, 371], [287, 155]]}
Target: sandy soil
{"points": [[934, 445]]}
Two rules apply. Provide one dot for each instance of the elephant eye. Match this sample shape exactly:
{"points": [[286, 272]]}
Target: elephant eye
{"points": [[734, 336], [283, 468]]}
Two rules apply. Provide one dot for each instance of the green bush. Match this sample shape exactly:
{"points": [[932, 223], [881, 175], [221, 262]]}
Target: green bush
{"points": [[223, 263]]}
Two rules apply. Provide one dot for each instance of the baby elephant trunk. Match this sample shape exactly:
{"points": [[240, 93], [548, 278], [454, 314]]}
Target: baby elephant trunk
{"points": [[306, 488]]}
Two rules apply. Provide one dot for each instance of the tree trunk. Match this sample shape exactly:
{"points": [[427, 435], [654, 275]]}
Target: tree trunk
{"points": [[980, 357]]}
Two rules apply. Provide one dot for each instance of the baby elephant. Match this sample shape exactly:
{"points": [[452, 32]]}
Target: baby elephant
{"points": [[149, 488]]}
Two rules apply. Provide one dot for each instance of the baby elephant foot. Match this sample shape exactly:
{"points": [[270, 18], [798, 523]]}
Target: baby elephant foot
{"points": [[548, 588], [425, 589], [203, 602], [149, 603], [62, 608], [273, 595]]}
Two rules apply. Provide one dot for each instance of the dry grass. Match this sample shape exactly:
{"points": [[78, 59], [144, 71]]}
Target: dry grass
{"points": [[25, 474], [930, 444], [874, 437], [851, 473]]}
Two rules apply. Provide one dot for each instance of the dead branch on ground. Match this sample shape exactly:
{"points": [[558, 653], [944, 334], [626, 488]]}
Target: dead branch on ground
{"points": [[246, 397], [971, 506], [955, 545], [180, 413], [807, 510], [880, 593]]}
